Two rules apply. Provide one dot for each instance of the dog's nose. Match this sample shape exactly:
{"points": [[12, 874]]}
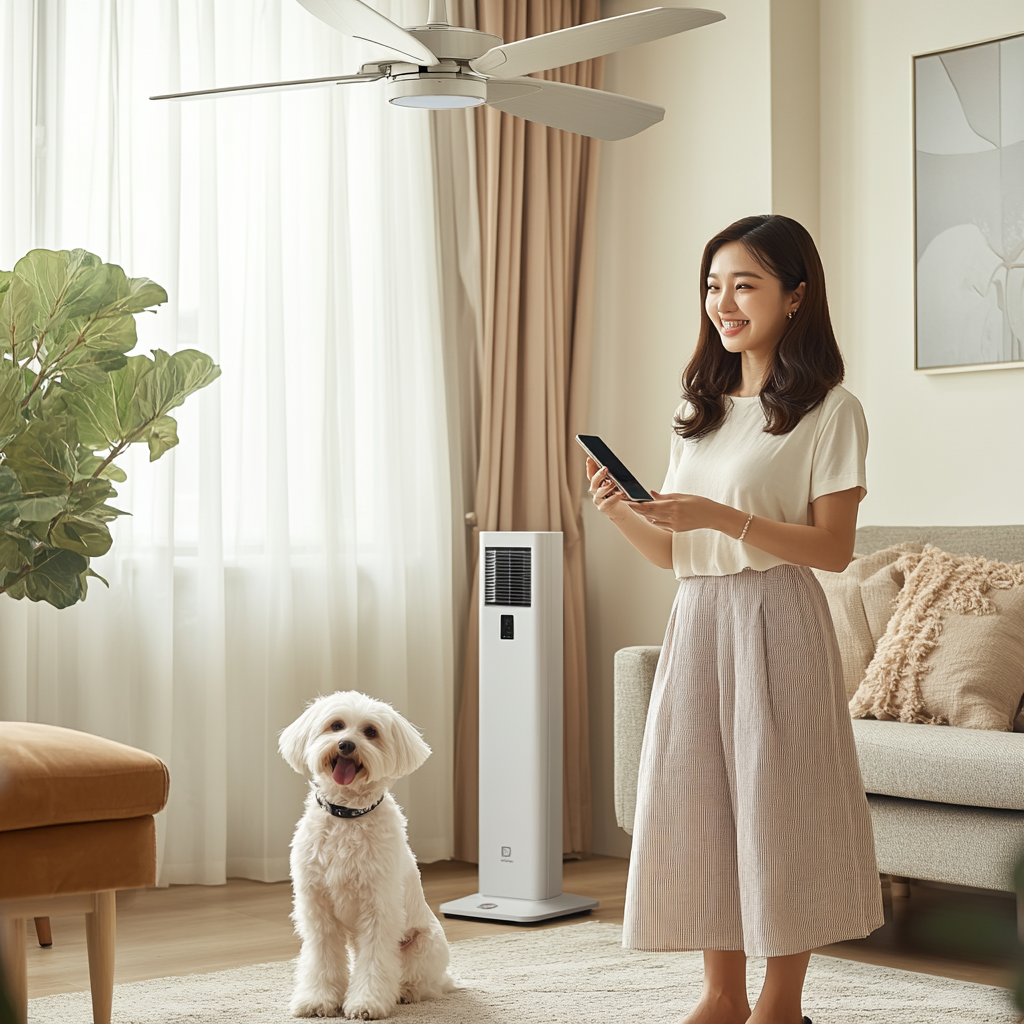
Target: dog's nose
{"points": [[346, 747]]}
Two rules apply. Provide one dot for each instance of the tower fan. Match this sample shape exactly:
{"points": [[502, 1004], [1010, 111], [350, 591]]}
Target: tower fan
{"points": [[520, 733]]}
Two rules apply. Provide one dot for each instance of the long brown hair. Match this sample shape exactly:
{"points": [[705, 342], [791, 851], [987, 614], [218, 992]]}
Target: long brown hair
{"points": [[806, 364]]}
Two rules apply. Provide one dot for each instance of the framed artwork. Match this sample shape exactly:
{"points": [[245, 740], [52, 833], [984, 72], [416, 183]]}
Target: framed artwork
{"points": [[969, 206]]}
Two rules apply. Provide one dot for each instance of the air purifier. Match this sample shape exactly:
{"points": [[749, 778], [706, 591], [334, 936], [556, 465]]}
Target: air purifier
{"points": [[520, 733]]}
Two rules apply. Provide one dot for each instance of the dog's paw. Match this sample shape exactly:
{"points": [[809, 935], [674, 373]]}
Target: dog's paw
{"points": [[313, 1006], [365, 1009]]}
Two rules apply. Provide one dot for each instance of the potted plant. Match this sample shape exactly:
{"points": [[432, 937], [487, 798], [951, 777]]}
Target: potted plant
{"points": [[71, 401]]}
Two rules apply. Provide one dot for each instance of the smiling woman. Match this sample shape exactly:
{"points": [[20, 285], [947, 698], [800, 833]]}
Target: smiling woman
{"points": [[752, 834]]}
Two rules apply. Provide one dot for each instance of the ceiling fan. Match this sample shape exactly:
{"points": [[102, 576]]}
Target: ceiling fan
{"points": [[440, 67]]}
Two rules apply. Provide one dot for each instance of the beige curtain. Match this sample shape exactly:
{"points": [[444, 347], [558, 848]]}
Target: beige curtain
{"points": [[537, 195]]}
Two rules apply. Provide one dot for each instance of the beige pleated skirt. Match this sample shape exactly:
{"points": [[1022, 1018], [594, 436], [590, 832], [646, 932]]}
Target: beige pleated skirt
{"points": [[752, 830]]}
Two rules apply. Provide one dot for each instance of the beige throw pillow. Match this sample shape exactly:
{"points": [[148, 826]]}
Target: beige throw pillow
{"points": [[861, 600], [953, 651]]}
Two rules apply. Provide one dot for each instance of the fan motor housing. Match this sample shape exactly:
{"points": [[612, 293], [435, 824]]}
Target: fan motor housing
{"points": [[447, 41]]}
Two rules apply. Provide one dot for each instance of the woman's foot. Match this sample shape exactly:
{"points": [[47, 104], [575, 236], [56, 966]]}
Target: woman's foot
{"points": [[717, 1009]]}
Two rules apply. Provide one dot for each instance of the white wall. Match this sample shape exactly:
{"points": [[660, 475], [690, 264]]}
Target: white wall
{"points": [[944, 449], [736, 140]]}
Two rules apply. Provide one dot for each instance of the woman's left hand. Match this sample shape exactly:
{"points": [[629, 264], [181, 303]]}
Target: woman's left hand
{"points": [[675, 512]]}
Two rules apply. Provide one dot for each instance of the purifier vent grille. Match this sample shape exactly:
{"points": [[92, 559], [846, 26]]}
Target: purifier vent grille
{"points": [[507, 576]]}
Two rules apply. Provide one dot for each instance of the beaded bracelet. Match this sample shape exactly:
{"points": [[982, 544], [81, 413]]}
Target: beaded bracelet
{"points": [[746, 526]]}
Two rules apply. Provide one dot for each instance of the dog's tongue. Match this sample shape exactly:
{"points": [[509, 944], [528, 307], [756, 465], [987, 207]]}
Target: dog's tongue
{"points": [[344, 771]]}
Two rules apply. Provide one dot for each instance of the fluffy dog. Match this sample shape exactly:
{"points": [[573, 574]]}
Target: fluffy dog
{"points": [[369, 940]]}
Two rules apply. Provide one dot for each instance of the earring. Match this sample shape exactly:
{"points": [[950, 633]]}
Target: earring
{"points": [[791, 314]]}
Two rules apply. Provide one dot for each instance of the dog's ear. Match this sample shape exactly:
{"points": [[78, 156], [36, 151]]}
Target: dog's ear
{"points": [[408, 748], [294, 740]]}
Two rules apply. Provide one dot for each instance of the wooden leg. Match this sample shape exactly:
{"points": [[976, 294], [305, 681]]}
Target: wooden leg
{"points": [[43, 933], [899, 886], [99, 937], [12, 959]]}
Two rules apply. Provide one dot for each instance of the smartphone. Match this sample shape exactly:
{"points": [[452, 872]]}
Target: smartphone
{"points": [[604, 456]]}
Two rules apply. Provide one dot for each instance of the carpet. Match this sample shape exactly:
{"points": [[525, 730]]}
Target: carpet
{"points": [[578, 974]]}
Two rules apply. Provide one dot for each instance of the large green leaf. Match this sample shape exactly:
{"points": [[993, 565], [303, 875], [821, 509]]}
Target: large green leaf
{"points": [[173, 379], [161, 436], [10, 493], [57, 577], [20, 314], [11, 558], [12, 391], [41, 510], [43, 456], [67, 283], [128, 295], [84, 534]]}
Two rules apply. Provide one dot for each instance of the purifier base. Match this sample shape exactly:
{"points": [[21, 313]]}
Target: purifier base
{"points": [[513, 911]]}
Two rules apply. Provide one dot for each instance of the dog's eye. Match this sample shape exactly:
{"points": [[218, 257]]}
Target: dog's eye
{"points": [[370, 733], [337, 726]]}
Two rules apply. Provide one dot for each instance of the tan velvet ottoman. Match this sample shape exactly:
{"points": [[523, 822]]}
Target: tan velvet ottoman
{"points": [[76, 825]]}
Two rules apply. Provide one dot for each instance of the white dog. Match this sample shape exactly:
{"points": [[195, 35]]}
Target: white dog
{"points": [[369, 940]]}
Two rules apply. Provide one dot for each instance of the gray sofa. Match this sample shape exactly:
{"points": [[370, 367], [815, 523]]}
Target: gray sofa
{"points": [[947, 804]]}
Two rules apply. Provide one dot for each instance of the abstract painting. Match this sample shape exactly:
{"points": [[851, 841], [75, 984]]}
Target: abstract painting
{"points": [[969, 143]]}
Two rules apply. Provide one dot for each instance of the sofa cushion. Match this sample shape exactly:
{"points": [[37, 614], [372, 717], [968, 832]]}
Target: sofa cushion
{"points": [[861, 600], [953, 651], [943, 765], [87, 856], [55, 776]]}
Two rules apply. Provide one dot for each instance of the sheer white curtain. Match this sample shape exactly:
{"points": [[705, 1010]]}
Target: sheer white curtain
{"points": [[299, 539]]}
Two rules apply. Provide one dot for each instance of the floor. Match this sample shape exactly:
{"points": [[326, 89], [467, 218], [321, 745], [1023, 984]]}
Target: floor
{"points": [[195, 929]]}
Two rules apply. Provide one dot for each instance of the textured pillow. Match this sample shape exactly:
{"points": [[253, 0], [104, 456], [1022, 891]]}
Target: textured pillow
{"points": [[861, 600], [953, 651]]}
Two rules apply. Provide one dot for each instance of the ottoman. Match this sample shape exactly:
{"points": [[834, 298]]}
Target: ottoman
{"points": [[76, 825]]}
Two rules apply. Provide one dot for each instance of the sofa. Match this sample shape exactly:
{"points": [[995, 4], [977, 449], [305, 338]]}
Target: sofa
{"points": [[947, 804]]}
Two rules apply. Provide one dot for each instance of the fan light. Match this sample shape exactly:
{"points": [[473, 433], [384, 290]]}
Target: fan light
{"points": [[438, 102], [435, 92]]}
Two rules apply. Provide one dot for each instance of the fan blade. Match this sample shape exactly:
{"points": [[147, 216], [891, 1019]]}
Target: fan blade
{"points": [[573, 108], [355, 19], [247, 90], [594, 39]]}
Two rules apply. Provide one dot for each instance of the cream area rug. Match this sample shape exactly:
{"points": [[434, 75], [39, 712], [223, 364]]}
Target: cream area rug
{"points": [[577, 974]]}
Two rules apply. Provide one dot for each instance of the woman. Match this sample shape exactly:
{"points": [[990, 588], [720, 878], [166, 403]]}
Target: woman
{"points": [[752, 835]]}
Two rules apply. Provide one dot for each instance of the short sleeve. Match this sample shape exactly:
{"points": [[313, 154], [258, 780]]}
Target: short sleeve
{"points": [[675, 453], [841, 447]]}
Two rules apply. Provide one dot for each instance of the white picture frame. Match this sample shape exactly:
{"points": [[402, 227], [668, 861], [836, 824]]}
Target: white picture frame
{"points": [[969, 207]]}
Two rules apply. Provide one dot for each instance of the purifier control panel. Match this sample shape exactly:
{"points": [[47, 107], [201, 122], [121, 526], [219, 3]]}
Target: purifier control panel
{"points": [[508, 627]]}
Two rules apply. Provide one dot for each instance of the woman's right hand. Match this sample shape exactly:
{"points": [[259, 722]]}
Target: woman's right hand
{"points": [[608, 499]]}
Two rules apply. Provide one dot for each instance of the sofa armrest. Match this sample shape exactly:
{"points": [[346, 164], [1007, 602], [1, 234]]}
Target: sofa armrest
{"points": [[634, 678]]}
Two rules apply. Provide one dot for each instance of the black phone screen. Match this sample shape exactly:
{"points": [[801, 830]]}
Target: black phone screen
{"points": [[604, 456]]}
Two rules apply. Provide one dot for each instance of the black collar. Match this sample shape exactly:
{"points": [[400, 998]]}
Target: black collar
{"points": [[345, 812]]}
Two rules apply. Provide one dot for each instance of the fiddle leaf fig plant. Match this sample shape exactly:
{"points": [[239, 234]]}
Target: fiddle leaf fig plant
{"points": [[72, 400]]}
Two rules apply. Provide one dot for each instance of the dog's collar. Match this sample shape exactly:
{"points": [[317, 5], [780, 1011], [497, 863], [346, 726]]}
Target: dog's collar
{"points": [[345, 812]]}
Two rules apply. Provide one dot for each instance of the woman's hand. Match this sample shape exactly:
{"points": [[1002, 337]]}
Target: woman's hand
{"points": [[608, 499], [677, 513]]}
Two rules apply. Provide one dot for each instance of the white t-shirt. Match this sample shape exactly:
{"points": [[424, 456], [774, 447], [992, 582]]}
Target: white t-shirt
{"points": [[774, 476]]}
